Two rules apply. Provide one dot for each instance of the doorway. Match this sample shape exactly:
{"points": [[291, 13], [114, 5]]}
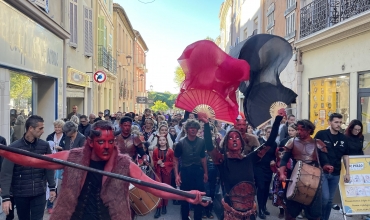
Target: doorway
{"points": [[363, 114]]}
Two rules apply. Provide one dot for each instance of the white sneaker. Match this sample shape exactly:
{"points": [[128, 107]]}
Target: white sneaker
{"points": [[300, 216]]}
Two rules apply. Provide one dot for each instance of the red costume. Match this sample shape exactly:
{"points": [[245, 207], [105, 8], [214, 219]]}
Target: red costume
{"points": [[164, 173]]}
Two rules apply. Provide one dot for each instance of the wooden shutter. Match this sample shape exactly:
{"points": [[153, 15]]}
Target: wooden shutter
{"points": [[88, 33], [91, 38], [73, 22], [105, 36], [101, 31]]}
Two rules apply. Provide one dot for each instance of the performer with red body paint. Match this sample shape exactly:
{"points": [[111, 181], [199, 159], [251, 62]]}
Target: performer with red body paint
{"points": [[91, 196], [236, 169]]}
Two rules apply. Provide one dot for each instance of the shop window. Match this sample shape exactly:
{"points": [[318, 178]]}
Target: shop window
{"points": [[364, 80], [20, 104], [329, 95]]}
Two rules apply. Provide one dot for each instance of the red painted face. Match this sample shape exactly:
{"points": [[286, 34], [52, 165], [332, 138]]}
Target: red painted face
{"points": [[103, 146], [302, 133], [125, 128], [233, 142]]}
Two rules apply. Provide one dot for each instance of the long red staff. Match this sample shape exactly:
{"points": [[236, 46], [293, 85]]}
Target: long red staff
{"points": [[105, 173]]}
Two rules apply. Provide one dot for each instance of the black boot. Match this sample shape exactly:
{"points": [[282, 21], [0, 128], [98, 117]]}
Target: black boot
{"points": [[266, 212], [261, 214], [157, 213], [164, 210]]}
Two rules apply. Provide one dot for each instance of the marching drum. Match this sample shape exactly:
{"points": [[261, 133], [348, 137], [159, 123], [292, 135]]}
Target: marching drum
{"points": [[142, 202], [305, 180]]}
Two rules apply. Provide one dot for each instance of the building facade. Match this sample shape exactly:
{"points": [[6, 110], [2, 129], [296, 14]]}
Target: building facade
{"points": [[333, 52], [239, 19], [105, 55], [32, 65], [139, 79], [281, 18], [79, 51], [124, 37]]}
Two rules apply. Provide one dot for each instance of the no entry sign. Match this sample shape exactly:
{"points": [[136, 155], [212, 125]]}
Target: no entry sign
{"points": [[100, 76]]}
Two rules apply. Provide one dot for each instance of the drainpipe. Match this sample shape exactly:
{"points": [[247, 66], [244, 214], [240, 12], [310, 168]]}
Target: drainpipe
{"points": [[65, 79], [299, 71]]}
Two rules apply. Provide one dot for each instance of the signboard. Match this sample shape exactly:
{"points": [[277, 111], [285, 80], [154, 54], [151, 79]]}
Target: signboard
{"points": [[150, 101], [355, 195], [78, 78], [141, 100], [26, 45], [100, 76]]}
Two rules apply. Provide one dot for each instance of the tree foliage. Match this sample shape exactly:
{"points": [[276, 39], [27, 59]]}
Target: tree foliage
{"points": [[166, 97], [179, 76], [159, 106], [210, 38], [20, 88]]}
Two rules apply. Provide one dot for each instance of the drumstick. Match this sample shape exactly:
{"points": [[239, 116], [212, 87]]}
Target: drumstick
{"points": [[102, 172]]}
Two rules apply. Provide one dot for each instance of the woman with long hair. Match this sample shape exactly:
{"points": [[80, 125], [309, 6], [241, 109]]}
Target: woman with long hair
{"points": [[163, 165], [162, 131], [148, 128], [355, 137]]}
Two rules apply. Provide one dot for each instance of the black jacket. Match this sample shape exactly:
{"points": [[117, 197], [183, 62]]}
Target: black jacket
{"points": [[26, 181], [85, 130], [355, 145], [62, 142], [78, 142]]}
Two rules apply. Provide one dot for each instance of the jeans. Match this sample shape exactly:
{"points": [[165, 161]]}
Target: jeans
{"points": [[329, 186], [30, 208], [192, 179]]}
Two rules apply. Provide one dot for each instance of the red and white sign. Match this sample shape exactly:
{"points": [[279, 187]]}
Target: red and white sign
{"points": [[100, 76]]}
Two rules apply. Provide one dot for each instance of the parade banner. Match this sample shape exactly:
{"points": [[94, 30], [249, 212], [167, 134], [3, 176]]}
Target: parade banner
{"points": [[355, 195]]}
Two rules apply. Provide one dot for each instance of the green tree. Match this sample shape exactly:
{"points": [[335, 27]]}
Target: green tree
{"points": [[20, 88], [159, 106], [179, 76], [166, 97], [210, 38]]}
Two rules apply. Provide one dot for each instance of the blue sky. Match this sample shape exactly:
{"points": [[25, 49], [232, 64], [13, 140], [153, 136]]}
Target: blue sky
{"points": [[167, 27]]}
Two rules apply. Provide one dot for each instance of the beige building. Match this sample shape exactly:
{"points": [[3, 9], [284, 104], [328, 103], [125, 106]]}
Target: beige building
{"points": [[333, 54], [139, 79], [124, 37], [104, 56], [33, 39], [281, 18]]}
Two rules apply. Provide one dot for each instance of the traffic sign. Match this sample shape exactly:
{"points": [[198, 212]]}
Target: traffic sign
{"points": [[100, 76], [141, 100]]}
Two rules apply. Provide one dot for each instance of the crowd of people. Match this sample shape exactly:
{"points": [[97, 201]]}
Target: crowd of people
{"points": [[185, 151]]}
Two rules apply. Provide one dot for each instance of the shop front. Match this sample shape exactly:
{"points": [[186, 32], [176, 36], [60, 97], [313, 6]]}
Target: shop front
{"points": [[31, 73], [335, 78], [78, 86], [329, 95]]}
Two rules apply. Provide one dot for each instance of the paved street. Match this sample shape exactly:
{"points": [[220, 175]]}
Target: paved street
{"points": [[174, 213]]}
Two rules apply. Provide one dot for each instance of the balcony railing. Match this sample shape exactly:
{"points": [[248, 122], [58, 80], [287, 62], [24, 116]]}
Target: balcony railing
{"points": [[320, 14], [103, 57], [106, 60]]}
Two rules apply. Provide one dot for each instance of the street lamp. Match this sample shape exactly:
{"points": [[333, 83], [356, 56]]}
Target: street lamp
{"points": [[128, 60]]}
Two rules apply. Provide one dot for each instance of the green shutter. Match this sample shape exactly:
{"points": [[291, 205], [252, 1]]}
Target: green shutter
{"points": [[100, 31]]}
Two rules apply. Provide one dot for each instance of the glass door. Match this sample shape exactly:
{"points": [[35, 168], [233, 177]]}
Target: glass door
{"points": [[364, 116]]}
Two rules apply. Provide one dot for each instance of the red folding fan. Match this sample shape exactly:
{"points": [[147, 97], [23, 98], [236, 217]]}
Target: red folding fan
{"points": [[211, 80]]}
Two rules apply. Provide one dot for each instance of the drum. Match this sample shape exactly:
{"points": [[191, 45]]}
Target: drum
{"points": [[142, 202], [305, 180]]}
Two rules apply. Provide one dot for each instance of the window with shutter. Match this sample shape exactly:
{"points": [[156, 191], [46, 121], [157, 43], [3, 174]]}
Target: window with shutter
{"points": [[105, 36], [73, 22], [88, 33], [101, 31]]}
